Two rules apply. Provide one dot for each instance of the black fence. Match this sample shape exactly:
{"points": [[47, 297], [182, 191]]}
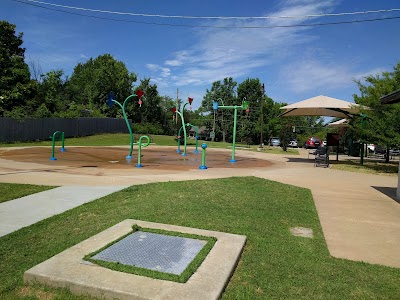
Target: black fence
{"points": [[41, 129]]}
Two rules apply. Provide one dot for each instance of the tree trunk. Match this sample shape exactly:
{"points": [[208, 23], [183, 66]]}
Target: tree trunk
{"points": [[387, 155]]}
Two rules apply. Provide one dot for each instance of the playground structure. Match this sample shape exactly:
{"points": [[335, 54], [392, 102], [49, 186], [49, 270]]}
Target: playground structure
{"points": [[197, 138], [53, 142], [244, 106], [110, 102], [175, 110]]}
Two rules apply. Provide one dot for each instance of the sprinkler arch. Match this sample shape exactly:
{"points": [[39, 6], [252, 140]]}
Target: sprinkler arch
{"points": [[179, 138], [56, 134], [244, 106], [180, 113], [111, 101]]}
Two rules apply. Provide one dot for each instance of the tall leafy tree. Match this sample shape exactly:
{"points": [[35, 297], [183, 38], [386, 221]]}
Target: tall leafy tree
{"points": [[168, 121], [274, 124], [381, 123], [15, 83], [226, 91], [52, 91], [249, 124], [91, 82], [150, 111]]}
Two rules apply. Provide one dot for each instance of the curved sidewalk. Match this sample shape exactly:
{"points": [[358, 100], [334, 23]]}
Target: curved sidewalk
{"points": [[359, 220], [28, 210]]}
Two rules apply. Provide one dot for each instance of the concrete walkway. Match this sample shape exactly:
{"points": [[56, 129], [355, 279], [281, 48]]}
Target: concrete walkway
{"points": [[25, 211], [360, 220]]}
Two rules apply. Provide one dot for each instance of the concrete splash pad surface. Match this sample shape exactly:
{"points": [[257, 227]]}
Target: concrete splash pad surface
{"points": [[157, 158]]}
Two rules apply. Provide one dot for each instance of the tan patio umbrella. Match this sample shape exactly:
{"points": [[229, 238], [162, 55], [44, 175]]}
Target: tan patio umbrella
{"points": [[322, 106]]}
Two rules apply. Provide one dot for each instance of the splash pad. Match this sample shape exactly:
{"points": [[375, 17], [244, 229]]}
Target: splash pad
{"points": [[154, 158]]}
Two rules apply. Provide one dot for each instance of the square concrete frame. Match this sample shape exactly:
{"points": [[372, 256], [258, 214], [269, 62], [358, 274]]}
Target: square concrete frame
{"points": [[68, 269]]}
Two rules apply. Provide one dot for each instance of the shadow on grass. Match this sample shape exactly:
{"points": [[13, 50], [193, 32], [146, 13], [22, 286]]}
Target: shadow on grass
{"points": [[368, 166]]}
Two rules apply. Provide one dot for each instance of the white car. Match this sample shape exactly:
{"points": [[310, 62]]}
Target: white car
{"points": [[293, 143]]}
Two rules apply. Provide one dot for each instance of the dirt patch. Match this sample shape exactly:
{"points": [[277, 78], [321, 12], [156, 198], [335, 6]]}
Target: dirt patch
{"points": [[114, 158], [28, 291]]}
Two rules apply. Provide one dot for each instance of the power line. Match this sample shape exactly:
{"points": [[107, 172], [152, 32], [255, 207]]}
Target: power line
{"points": [[210, 26], [216, 17]]}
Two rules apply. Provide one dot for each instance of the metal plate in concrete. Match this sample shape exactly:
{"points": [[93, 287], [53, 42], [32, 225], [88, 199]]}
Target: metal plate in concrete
{"points": [[158, 252], [68, 269]]}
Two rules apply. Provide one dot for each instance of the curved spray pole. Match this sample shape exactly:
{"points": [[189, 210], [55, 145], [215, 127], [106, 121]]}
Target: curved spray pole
{"points": [[53, 141], [244, 106], [111, 101], [140, 145], [197, 138], [174, 110]]}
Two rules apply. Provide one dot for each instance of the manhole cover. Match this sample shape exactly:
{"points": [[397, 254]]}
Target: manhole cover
{"points": [[159, 252]]}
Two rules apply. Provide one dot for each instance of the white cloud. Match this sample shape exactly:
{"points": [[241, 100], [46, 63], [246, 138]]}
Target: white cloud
{"points": [[311, 75], [152, 67], [237, 52], [173, 63], [180, 56], [164, 72], [373, 72]]}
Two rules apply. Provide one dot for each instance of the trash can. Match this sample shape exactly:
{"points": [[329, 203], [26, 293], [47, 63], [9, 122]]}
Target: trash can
{"points": [[355, 149]]}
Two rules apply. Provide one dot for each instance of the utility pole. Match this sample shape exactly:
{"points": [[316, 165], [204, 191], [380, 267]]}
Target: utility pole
{"points": [[213, 131], [262, 117], [177, 103]]}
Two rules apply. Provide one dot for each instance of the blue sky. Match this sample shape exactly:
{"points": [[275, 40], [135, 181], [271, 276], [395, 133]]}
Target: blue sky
{"points": [[294, 63]]}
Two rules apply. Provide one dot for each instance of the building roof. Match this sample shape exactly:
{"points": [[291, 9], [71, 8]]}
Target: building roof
{"points": [[391, 98]]}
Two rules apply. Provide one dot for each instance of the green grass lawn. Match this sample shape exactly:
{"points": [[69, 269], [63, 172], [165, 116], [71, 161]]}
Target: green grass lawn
{"points": [[274, 264], [371, 167], [11, 191], [119, 139]]}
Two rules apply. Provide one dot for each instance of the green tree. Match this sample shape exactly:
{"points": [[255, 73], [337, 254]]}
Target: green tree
{"points": [[225, 91], [249, 125], [42, 112], [52, 91], [272, 120], [91, 82], [16, 87], [150, 111], [168, 121], [382, 122]]}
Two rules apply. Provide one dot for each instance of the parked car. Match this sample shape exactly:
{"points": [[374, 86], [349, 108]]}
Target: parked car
{"points": [[313, 143], [394, 152], [371, 148], [275, 142], [293, 143]]}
